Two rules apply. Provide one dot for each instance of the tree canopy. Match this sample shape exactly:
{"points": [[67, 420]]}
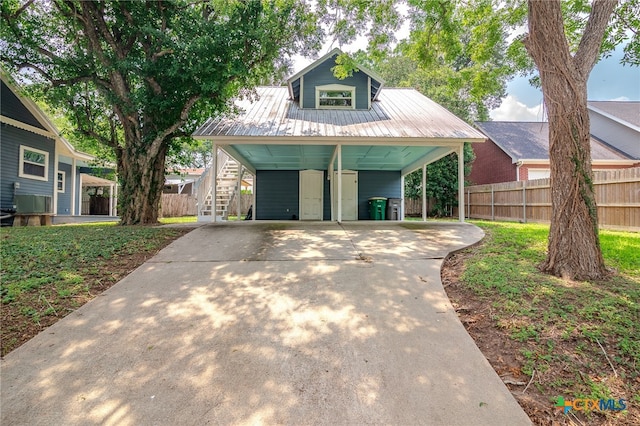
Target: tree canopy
{"points": [[137, 75]]}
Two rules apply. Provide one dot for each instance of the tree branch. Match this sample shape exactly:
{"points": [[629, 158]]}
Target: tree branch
{"points": [[589, 47], [22, 9], [184, 115]]}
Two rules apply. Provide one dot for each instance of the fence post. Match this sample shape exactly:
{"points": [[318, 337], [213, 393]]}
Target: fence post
{"points": [[524, 201], [468, 203], [493, 215]]}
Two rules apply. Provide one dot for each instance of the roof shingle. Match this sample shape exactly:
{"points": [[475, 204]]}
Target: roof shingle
{"points": [[529, 140]]}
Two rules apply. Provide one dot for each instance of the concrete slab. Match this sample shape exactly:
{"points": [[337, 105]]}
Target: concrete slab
{"points": [[267, 323]]}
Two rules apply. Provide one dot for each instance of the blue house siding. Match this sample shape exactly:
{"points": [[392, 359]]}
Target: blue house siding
{"points": [[12, 138], [277, 194], [376, 184], [12, 107], [64, 198], [322, 75]]}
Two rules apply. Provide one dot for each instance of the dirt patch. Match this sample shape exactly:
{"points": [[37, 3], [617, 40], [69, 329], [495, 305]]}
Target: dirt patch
{"points": [[35, 311], [506, 357]]}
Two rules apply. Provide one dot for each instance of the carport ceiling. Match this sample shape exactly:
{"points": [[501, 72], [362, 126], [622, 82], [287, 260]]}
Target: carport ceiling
{"points": [[359, 157]]}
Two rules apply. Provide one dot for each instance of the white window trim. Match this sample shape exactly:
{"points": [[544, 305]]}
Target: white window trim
{"points": [[336, 87], [21, 164], [64, 180]]}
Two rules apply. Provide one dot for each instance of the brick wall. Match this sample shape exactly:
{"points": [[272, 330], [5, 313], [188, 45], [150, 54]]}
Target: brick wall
{"points": [[491, 165]]}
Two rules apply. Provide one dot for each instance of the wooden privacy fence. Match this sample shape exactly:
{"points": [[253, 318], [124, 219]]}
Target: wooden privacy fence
{"points": [[245, 202], [413, 206], [617, 198], [176, 205]]}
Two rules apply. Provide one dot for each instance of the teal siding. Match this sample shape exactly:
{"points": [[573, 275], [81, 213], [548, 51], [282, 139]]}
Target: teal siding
{"points": [[376, 184], [10, 140], [12, 107], [277, 194], [64, 198], [322, 75]]}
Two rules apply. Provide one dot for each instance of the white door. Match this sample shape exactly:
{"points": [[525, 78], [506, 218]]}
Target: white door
{"points": [[349, 195], [311, 194]]}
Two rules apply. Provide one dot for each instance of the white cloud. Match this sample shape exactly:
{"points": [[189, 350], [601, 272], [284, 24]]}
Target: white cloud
{"points": [[512, 109], [620, 98]]}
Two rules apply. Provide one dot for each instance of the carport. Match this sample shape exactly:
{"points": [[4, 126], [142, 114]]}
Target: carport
{"points": [[402, 132], [322, 146]]}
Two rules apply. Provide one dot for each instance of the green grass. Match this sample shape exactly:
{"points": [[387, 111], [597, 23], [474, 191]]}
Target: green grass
{"points": [[34, 257], [182, 219], [561, 324]]}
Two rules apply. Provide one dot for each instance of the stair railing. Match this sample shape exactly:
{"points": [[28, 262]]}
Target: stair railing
{"points": [[204, 187]]}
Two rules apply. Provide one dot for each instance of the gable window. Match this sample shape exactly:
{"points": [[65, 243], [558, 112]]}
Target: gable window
{"points": [[335, 96], [60, 181], [34, 164]]}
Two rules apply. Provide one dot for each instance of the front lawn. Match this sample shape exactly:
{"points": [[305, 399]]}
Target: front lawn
{"points": [[576, 340], [47, 272]]}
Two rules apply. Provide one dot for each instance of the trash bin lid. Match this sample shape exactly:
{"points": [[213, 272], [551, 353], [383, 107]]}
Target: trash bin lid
{"points": [[377, 198]]}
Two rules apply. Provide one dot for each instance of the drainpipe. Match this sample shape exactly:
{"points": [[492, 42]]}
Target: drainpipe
{"points": [[518, 165]]}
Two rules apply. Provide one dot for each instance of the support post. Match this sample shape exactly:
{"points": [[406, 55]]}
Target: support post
{"points": [[461, 182], [56, 160], [424, 193], [339, 151], [110, 200], [80, 203], [253, 197], [401, 199], [214, 180], [115, 196], [239, 191], [73, 186]]}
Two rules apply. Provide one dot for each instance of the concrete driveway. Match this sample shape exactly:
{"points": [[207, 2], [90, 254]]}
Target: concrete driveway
{"points": [[268, 323]]}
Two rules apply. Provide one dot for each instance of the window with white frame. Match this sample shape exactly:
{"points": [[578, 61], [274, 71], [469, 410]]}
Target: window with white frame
{"points": [[60, 181], [34, 164], [335, 96]]}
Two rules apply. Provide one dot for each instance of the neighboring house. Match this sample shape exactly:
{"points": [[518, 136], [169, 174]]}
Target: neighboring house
{"points": [[320, 148], [182, 181], [618, 124], [41, 174], [520, 151]]}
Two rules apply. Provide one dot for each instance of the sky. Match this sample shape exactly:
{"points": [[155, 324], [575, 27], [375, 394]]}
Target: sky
{"points": [[609, 81]]}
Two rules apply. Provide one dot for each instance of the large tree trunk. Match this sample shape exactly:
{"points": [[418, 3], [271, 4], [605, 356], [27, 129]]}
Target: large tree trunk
{"points": [[141, 177], [574, 247]]}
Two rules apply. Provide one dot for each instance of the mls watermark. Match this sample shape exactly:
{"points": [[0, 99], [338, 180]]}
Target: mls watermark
{"points": [[581, 404]]}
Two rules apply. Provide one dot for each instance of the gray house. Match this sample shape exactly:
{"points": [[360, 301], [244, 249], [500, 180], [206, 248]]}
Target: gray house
{"points": [[41, 174], [321, 148], [618, 124]]}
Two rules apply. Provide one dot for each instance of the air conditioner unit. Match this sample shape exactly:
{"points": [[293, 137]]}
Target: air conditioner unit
{"points": [[33, 204]]}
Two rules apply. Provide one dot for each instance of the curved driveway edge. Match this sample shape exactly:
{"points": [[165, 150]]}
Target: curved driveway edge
{"points": [[268, 323]]}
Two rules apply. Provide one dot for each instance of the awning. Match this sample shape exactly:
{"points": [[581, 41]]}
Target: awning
{"points": [[89, 180]]}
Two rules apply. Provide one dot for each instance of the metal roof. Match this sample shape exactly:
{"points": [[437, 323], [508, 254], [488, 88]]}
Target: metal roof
{"points": [[399, 113], [529, 140], [627, 111]]}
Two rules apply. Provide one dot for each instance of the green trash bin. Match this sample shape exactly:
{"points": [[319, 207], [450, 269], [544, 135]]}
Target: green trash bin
{"points": [[377, 208]]}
